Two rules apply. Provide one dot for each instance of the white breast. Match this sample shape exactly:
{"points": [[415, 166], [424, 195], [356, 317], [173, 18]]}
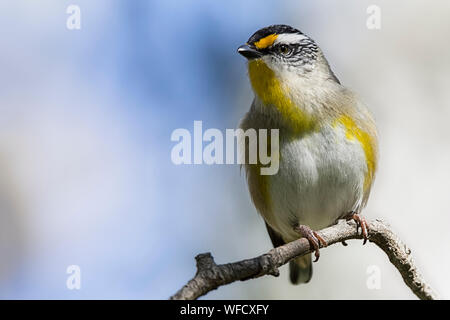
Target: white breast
{"points": [[321, 178]]}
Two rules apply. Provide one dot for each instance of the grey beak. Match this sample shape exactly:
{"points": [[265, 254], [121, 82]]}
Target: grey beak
{"points": [[249, 52]]}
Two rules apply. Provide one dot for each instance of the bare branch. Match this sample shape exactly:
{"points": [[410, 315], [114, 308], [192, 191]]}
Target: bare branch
{"points": [[210, 276]]}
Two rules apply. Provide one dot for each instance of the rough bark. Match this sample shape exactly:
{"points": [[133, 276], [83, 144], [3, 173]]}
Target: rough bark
{"points": [[210, 276]]}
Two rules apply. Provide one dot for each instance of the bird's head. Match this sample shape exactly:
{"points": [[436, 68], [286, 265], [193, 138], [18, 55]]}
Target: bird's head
{"points": [[288, 70], [282, 47], [287, 52]]}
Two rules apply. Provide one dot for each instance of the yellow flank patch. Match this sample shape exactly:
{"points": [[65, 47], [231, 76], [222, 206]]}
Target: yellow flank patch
{"points": [[269, 89], [262, 182], [352, 131], [266, 41]]}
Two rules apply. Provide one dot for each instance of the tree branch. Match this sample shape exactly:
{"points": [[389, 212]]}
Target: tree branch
{"points": [[210, 276]]}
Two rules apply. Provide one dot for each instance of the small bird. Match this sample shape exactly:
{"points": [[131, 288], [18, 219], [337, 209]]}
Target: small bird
{"points": [[328, 146]]}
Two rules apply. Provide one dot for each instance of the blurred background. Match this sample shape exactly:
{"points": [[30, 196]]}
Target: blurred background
{"points": [[86, 117]]}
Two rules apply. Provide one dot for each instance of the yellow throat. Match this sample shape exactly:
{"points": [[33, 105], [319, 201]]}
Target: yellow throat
{"points": [[273, 94]]}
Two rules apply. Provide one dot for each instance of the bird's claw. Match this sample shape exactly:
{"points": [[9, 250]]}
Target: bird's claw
{"points": [[360, 222], [313, 237]]}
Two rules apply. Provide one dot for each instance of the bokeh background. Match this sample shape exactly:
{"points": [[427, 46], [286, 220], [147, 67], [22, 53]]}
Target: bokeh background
{"points": [[86, 116]]}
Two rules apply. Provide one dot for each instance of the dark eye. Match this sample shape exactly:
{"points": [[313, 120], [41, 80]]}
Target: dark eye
{"points": [[284, 49]]}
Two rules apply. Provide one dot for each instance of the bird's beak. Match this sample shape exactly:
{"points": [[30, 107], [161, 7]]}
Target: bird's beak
{"points": [[249, 52]]}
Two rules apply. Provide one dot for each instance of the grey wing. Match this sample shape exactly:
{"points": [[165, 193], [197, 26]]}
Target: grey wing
{"points": [[275, 237]]}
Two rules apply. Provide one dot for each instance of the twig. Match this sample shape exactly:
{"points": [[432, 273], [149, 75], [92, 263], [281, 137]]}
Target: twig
{"points": [[210, 276]]}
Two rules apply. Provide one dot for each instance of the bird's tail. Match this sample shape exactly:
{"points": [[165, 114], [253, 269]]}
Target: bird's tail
{"points": [[300, 269]]}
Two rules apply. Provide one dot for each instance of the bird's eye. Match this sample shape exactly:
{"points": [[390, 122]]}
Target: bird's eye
{"points": [[284, 49]]}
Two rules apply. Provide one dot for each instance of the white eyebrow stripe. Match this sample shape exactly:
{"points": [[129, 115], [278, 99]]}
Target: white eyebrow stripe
{"points": [[288, 38]]}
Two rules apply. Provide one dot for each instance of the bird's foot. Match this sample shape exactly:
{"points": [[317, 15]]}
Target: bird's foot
{"points": [[313, 237], [360, 222]]}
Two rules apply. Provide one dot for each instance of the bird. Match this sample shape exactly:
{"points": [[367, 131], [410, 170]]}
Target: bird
{"points": [[328, 142]]}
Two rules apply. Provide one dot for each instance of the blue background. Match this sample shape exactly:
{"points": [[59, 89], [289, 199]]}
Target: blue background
{"points": [[86, 118]]}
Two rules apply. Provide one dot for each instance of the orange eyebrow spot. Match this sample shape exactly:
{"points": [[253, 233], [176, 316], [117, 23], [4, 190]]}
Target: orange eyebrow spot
{"points": [[266, 41]]}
